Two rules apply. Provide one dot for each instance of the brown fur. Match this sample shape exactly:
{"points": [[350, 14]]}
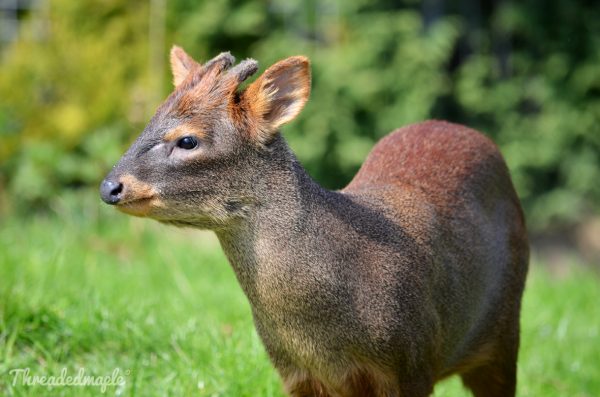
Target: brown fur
{"points": [[357, 382], [182, 131], [412, 273], [138, 197]]}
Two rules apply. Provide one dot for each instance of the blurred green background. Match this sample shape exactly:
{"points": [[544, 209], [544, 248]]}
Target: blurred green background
{"points": [[79, 80]]}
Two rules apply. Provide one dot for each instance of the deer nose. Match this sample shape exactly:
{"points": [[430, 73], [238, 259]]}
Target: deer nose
{"points": [[110, 191]]}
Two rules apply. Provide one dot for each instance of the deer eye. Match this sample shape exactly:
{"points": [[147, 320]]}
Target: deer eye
{"points": [[187, 143]]}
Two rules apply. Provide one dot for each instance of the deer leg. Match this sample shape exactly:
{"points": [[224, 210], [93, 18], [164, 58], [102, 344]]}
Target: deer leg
{"points": [[498, 376], [492, 380]]}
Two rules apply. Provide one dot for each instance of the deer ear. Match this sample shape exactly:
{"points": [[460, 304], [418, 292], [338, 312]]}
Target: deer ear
{"points": [[181, 65], [278, 95]]}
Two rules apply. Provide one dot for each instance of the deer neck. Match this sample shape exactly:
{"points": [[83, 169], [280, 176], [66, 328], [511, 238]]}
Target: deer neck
{"points": [[277, 236]]}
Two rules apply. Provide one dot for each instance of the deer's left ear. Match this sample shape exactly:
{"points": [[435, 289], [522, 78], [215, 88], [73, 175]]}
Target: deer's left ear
{"points": [[181, 65], [277, 96]]}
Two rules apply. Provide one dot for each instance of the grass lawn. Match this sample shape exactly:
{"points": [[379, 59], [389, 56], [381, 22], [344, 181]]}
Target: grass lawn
{"points": [[87, 287]]}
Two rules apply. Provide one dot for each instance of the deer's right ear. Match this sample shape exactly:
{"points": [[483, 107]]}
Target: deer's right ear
{"points": [[181, 64], [277, 96]]}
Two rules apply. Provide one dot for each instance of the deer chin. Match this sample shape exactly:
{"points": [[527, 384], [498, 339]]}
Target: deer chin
{"points": [[141, 207], [197, 221]]}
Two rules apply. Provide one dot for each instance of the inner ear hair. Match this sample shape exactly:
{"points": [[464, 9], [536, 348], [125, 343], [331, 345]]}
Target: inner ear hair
{"points": [[181, 64], [278, 96]]}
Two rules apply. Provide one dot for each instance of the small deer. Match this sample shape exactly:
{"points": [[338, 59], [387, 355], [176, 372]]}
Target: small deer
{"points": [[411, 273]]}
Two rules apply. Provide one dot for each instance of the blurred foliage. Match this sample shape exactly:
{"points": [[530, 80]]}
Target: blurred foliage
{"points": [[524, 72]]}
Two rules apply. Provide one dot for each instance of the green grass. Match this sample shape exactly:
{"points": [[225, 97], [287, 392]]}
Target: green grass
{"points": [[87, 287]]}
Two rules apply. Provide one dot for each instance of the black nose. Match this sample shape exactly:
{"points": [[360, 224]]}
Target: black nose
{"points": [[110, 191]]}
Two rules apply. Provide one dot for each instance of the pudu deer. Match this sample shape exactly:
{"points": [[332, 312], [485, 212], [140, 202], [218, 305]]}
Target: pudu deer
{"points": [[411, 273]]}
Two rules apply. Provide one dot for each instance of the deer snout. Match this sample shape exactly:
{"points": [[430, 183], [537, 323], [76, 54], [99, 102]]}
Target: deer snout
{"points": [[111, 191]]}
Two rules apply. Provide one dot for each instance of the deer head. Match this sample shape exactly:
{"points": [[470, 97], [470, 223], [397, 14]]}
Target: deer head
{"points": [[198, 160]]}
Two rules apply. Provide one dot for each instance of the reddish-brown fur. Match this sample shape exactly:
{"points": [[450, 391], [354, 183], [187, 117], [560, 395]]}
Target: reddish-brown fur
{"points": [[184, 130], [441, 159], [410, 274]]}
